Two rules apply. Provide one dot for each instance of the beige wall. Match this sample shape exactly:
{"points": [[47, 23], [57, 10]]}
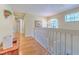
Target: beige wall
{"points": [[29, 23], [65, 25]]}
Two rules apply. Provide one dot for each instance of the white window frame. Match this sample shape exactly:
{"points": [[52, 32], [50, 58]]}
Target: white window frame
{"points": [[51, 23], [73, 17]]}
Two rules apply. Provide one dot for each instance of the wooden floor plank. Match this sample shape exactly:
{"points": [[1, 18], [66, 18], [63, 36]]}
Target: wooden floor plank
{"points": [[29, 46]]}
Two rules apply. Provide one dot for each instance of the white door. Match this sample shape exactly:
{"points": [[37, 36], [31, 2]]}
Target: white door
{"points": [[20, 25]]}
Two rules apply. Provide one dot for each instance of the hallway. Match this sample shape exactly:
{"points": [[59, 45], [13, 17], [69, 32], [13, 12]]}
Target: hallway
{"points": [[46, 31]]}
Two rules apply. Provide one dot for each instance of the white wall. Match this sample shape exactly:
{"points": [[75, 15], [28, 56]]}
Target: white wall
{"points": [[29, 23], [65, 25]]}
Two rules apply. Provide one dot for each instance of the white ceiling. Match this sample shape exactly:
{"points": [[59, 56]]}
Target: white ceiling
{"points": [[43, 9]]}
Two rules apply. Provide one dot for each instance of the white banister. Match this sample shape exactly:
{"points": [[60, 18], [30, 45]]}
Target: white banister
{"points": [[58, 41]]}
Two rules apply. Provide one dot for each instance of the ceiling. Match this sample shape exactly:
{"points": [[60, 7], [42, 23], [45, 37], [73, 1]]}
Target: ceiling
{"points": [[43, 9]]}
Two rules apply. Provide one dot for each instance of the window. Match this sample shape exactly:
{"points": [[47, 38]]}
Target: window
{"points": [[72, 17], [53, 23]]}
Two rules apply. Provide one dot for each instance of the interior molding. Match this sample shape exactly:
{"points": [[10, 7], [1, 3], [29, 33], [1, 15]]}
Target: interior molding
{"points": [[19, 15]]}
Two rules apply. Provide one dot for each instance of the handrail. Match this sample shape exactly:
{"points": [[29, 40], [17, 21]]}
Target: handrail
{"points": [[58, 41]]}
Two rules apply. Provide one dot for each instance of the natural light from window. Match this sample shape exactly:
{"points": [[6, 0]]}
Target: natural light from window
{"points": [[72, 17], [53, 23]]}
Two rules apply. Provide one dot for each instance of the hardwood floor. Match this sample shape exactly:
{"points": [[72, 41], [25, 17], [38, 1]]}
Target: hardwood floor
{"points": [[24, 46], [29, 46]]}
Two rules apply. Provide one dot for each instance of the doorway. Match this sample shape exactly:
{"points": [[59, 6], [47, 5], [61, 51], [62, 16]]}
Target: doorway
{"points": [[20, 25]]}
